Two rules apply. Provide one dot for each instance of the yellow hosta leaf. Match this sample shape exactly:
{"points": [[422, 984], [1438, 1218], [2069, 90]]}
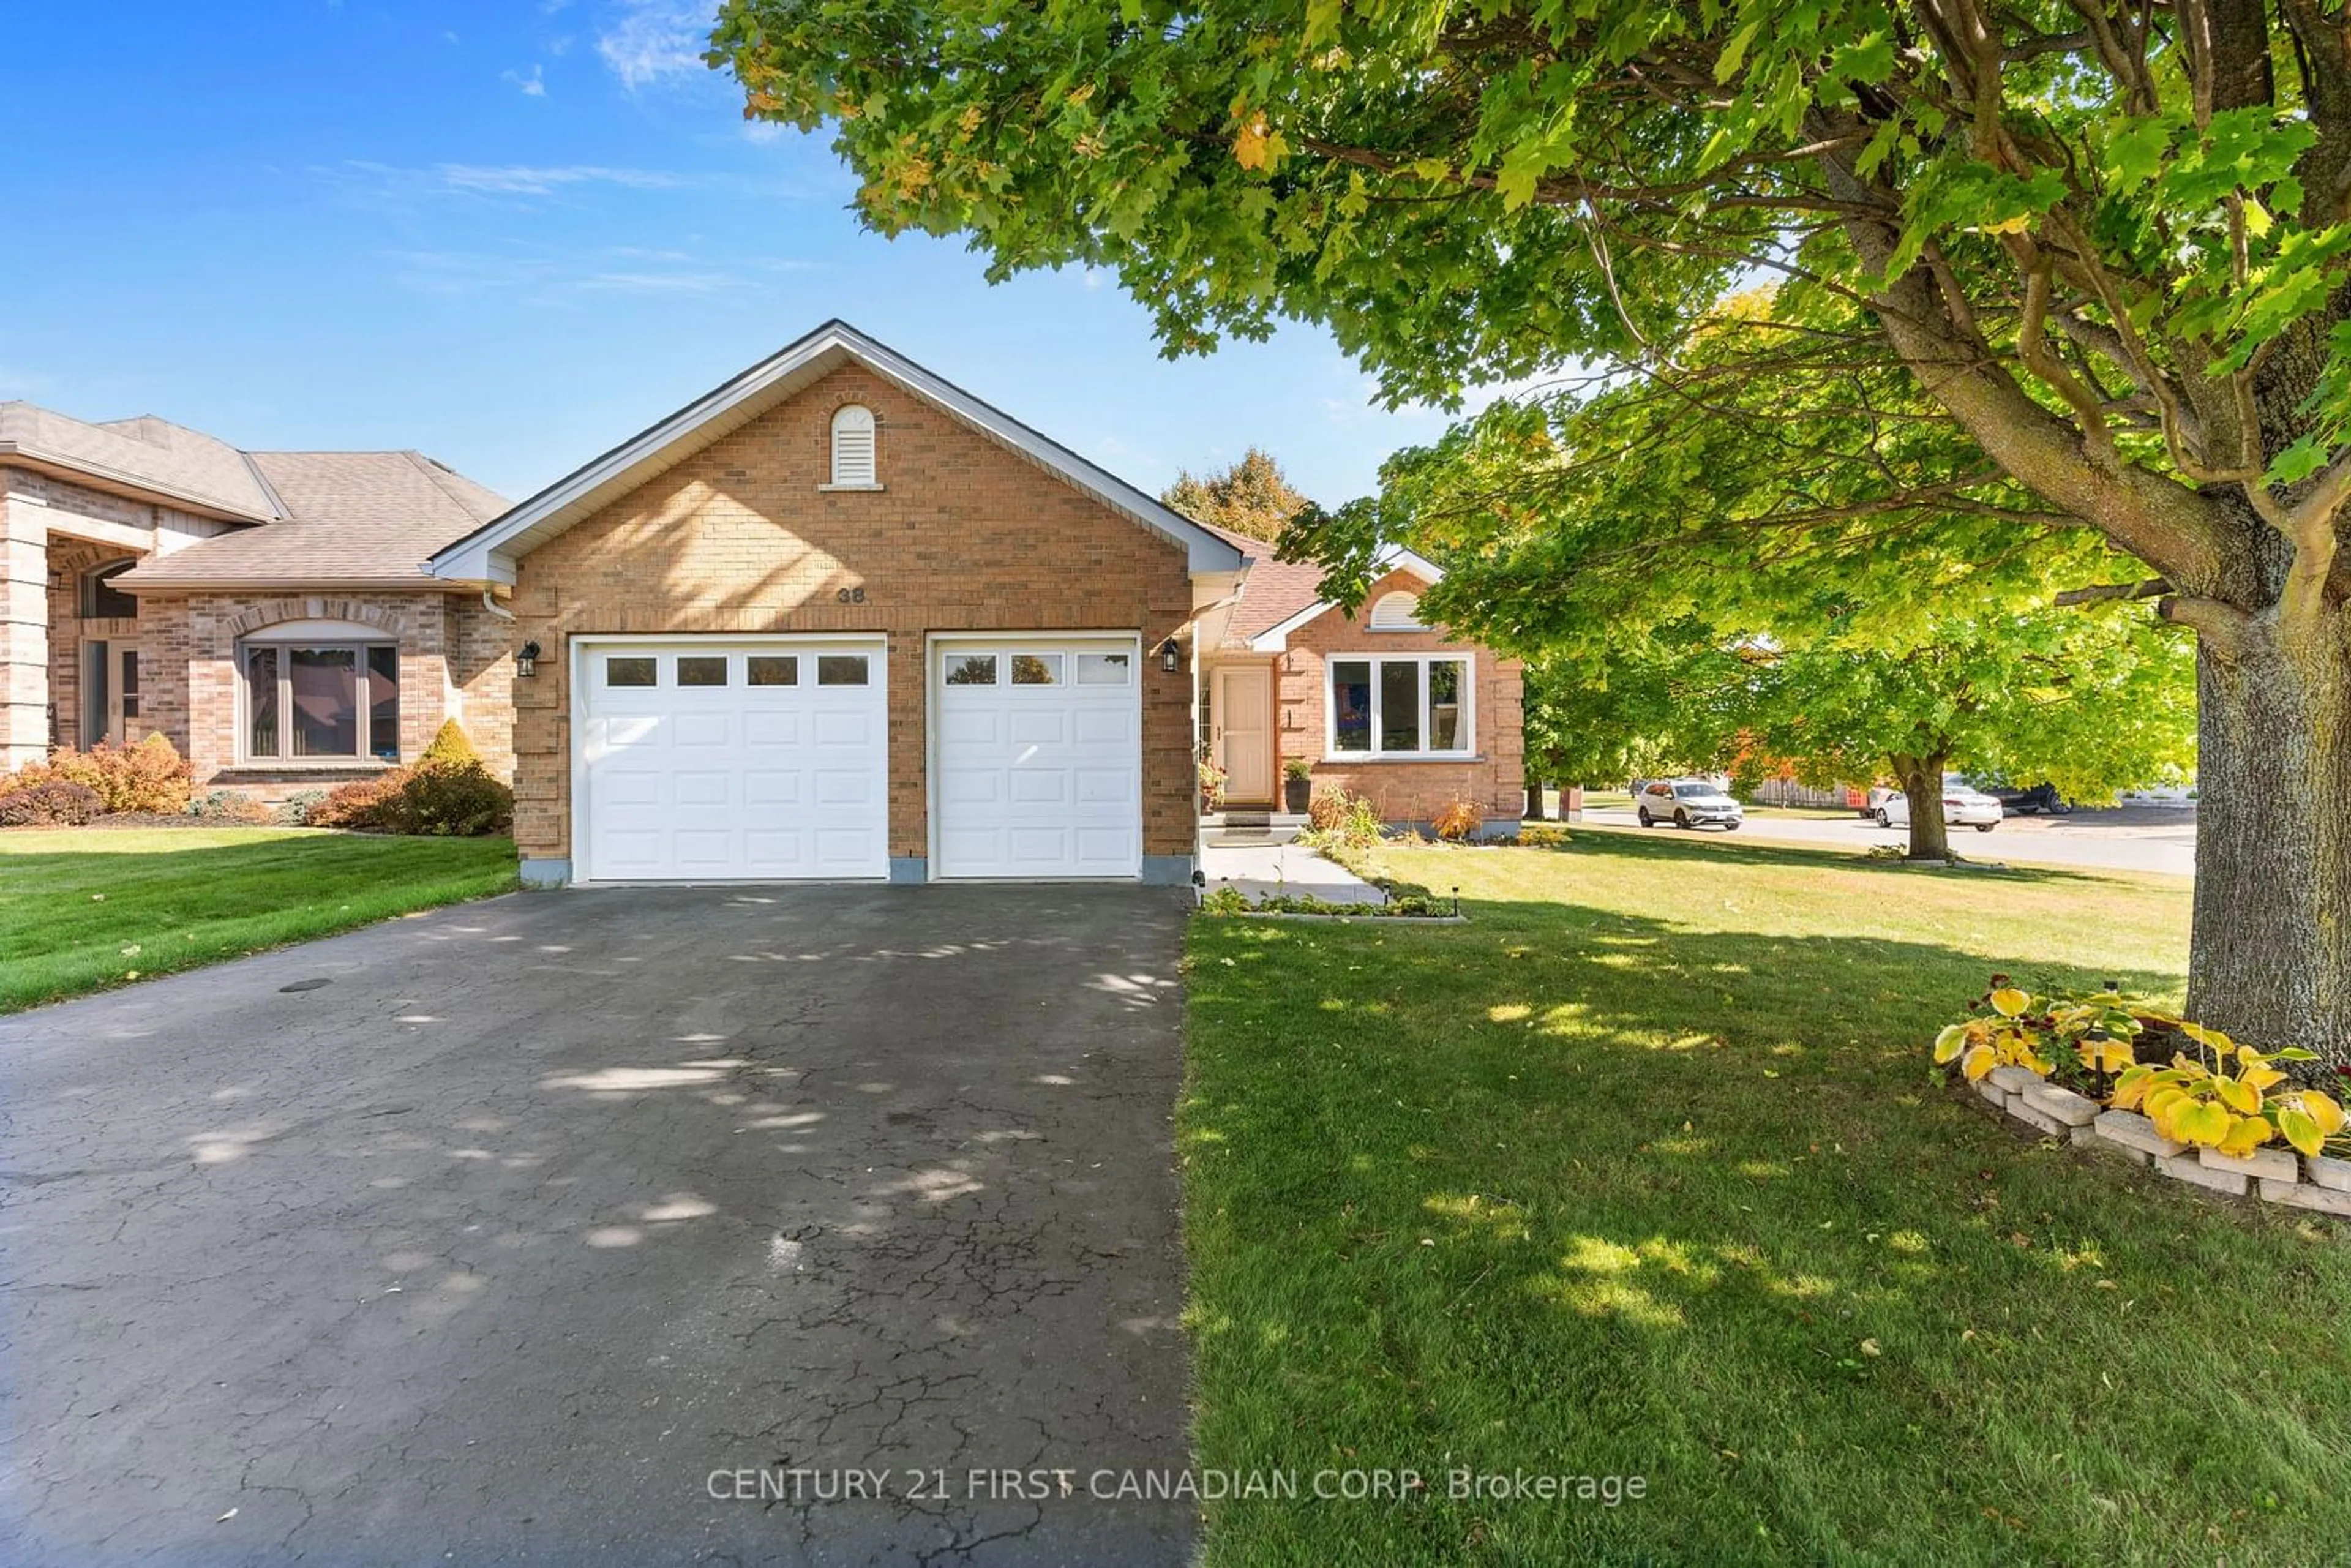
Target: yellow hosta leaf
{"points": [[1978, 1061], [2245, 1134], [2238, 1096], [2321, 1109], [2182, 1062], [2261, 1077], [2201, 1122], [2104, 1055], [2025, 1059], [2212, 1037], [2009, 1002], [1949, 1044], [2131, 1087], [2301, 1130]]}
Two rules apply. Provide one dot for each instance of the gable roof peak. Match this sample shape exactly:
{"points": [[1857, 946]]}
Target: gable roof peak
{"points": [[488, 554]]}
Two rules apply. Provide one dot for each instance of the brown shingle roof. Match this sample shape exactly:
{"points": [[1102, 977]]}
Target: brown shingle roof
{"points": [[153, 455], [353, 517], [1272, 591]]}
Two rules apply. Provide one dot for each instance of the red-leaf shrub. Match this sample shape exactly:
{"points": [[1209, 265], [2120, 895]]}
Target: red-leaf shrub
{"points": [[50, 803]]}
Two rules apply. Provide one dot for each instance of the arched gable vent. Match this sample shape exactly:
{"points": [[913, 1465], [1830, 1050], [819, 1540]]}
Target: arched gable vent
{"points": [[1398, 611], [853, 445]]}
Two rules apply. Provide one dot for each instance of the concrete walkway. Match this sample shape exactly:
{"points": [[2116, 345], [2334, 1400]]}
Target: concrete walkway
{"points": [[1264, 871]]}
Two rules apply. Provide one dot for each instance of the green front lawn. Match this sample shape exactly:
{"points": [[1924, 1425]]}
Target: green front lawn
{"points": [[1643, 1172], [84, 909]]}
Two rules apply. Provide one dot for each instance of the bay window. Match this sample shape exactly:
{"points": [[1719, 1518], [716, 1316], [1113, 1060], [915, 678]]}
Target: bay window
{"points": [[307, 700], [1410, 705]]}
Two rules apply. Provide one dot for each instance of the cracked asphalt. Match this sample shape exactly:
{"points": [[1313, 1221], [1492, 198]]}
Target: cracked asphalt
{"points": [[543, 1209]]}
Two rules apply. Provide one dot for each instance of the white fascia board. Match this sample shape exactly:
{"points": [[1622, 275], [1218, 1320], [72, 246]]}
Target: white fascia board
{"points": [[488, 555]]}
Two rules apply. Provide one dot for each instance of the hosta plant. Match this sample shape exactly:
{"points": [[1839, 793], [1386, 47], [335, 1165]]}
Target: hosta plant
{"points": [[2233, 1107], [2014, 1027]]}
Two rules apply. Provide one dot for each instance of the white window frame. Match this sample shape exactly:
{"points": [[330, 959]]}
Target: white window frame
{"points": [[286, 638], [1468, 749]]}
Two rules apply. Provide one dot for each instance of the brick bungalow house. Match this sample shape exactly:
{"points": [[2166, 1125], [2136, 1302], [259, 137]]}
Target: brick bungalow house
{"points": [[835, 619], [1384, 707], [269, 611]]}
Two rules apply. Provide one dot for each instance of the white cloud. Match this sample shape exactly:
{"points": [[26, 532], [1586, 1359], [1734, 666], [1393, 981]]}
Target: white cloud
{"points": [[645, 42], [553, 276], [531, 86], [494, 180]]}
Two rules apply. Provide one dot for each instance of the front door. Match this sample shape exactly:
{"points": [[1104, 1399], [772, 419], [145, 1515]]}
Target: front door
{"points": [[1242, 711], [111, 692]]}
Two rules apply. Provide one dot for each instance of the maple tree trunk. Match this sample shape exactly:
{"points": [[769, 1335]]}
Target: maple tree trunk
{"points": [[2271, 961], [1922, 786]]}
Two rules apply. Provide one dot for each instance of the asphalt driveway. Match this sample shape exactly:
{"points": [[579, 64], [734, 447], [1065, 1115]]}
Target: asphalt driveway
{"points": [[520, 1229]]}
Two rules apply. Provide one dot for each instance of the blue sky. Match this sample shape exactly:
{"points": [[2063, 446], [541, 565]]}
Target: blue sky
{"points": [[510, 234]]}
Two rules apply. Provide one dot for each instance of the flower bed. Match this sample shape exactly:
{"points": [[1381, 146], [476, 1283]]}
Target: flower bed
{"points": [[2210, 1118]]}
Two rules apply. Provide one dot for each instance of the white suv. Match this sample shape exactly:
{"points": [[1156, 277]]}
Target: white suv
{"points": [[1687, 803]]}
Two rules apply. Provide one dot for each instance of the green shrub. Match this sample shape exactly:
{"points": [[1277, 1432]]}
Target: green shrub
{"points": [[442, 800], [49, 803], [452, 801], [300, 809], [229, 806], [450, 748]]}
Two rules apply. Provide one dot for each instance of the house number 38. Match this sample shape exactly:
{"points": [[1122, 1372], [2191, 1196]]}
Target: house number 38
{"points": [[850, 596]]}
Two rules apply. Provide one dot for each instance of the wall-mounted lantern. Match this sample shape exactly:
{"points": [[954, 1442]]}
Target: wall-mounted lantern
{"points": [[527, 661], [1171, 655]]}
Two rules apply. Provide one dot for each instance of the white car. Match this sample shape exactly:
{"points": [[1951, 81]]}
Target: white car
{"points": [[1964, 806], [1687, 803]]}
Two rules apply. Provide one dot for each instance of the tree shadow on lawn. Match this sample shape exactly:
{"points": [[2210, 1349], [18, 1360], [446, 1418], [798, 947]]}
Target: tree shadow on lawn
{"points": [[1578, 1190]]}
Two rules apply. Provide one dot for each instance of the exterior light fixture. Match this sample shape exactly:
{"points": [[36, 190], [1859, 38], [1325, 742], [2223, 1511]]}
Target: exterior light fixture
{"points": [[1171, 656], [527, 661]]}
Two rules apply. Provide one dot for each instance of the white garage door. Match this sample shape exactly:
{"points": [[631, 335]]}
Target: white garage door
{"points": [[707, 759], [1039, 757]]}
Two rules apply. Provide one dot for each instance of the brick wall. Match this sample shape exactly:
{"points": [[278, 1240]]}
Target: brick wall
{"points": [[1494, 779], [964, 535]]}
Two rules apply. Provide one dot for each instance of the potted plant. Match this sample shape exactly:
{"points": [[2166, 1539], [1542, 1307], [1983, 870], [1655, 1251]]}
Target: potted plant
{"points": [[1297, 785], [1212, 783]]}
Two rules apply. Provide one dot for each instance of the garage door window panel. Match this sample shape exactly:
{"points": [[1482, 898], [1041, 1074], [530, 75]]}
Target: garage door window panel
{"points": [[699, 669], [632, 670], [841, 670], [971, 669], [1036, 669], [773, 670]]}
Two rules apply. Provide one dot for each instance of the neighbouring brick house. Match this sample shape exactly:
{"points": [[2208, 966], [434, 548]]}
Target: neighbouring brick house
{"points": [[1379, 704], [836, 619], [267, 611]]}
